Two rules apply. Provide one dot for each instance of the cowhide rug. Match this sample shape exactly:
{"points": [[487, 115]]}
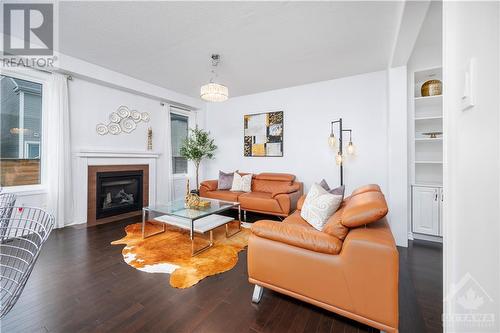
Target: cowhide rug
{"points": [[170, 252]]}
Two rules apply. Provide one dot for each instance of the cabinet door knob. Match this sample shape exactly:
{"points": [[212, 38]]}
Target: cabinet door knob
{"points": [[436, 196]]}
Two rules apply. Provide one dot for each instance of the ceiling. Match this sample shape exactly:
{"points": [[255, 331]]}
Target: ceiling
{"points": [[431, 34], [263, 45]]}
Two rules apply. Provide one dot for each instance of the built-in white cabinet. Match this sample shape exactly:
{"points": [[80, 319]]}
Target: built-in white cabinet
{"points": [[427, 210], [426, 157]]}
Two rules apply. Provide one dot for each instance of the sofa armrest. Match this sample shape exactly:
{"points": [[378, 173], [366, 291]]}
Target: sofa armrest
{"points": [[288, 201], [292, 188], [371, 260], [210, 185], [297, 235], [300, 202]]}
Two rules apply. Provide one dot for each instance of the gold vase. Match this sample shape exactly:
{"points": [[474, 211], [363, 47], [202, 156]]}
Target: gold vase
{"points": [[431, 88]]}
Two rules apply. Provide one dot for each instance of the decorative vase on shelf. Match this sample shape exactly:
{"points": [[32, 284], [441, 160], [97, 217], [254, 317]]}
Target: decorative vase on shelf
{"points": [[431, 88]]}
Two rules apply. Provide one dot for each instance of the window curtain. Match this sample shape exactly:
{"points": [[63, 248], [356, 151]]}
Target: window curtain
{"points": [[58, 152]]}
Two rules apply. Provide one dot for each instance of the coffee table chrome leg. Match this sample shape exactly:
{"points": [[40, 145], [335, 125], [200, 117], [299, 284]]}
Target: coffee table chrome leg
{"points": [[144, 236], [239, 225], [143, 222], [206, 247]]}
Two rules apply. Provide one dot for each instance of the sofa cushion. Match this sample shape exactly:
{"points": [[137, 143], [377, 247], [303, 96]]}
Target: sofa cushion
{"points": [[319, 206], [273, 186], [334, 225], [242, 183], [295, 218], [301, 236], [223, 195], [259, 201], [225, 180], [364, 208]]}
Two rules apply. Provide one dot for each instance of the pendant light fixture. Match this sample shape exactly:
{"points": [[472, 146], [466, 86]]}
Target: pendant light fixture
{"points": [[213, 91]]}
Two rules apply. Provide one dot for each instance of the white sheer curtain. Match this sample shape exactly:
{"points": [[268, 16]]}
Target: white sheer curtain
{"points": [[60, 196]]}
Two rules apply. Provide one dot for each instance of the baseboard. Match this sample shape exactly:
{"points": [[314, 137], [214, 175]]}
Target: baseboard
{"points": [[429, 238]]}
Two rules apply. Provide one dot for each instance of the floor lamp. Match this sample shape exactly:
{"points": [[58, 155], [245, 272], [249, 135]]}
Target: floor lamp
{"points": [[332, 141]]}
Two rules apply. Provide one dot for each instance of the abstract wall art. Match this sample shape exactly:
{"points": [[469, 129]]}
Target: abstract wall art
{"points": [[263, 134]]}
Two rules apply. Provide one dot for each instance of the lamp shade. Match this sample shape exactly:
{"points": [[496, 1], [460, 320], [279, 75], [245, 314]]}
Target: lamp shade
{"points": [[338, 158], [214, 92], [350, 148], [332, 141]]}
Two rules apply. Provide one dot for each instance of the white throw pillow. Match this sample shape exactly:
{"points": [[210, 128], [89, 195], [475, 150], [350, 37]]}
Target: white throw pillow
{"points": [[319, 206], [242, 183]]}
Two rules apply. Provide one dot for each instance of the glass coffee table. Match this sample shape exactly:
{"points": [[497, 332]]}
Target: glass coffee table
{"points": [[199, 220]]}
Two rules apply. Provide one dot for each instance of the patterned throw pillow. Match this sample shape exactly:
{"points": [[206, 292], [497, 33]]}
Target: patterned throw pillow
{"points": [[319, 205], [242, 183], [337, 191], [225, 180]]}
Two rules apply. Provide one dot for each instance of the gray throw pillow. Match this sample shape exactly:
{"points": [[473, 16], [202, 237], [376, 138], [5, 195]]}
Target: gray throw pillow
{"points": [[336, 191], [225, 180]]}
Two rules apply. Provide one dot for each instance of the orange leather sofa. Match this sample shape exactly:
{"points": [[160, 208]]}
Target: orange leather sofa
{"points": [[350, 267], [272, 193]]}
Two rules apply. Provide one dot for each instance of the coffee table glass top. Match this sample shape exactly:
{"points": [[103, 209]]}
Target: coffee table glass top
{"points": [[177, 208]]}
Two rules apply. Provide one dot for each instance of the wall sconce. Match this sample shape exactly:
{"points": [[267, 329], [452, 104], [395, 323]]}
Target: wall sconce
{"points": [[332, 142]]}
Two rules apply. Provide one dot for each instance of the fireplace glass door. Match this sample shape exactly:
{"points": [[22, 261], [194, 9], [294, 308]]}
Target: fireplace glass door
{"points": [[118, 192]]}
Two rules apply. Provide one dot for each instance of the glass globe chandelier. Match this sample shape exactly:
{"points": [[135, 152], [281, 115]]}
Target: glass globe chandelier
{"points": [[212, 91]]}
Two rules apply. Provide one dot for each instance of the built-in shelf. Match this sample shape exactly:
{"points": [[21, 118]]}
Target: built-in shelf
{"points": [[426, 155], [428, 139], [428, 184], [435, 97], [429, 162], [429, 118]]}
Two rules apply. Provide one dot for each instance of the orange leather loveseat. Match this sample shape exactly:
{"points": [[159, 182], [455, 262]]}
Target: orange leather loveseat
{"points": [[272, 193], [350, 267]]}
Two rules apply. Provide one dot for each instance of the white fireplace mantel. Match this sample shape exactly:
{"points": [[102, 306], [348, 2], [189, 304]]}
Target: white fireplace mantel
{"points": [[82, 159], [114, 153]]}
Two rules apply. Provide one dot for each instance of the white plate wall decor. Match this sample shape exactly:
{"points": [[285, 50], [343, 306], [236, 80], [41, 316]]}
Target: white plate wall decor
{"points": [[123, 120]]}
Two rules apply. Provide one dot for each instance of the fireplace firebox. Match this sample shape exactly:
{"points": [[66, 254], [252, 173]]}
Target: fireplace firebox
{"points": [[118, 192]]}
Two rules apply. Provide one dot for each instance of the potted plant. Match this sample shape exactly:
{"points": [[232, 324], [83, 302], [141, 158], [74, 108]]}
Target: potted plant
{"points": [[197, 147]]}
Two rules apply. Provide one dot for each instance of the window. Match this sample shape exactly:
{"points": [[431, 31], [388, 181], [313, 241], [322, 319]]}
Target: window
{"points": [[179, 133], [20, 131]]}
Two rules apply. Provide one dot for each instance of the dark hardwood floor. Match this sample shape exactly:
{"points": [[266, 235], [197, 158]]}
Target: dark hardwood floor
{"points": [[81, 284]]}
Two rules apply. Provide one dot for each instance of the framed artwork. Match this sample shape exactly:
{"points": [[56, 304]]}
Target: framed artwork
{"points": [[263, 134]]}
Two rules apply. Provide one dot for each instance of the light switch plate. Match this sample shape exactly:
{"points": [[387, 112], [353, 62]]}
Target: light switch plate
{"points": [[469, 92]]}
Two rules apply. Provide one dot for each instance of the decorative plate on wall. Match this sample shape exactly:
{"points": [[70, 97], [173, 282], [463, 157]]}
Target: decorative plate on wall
{"points": [[263, 134]]}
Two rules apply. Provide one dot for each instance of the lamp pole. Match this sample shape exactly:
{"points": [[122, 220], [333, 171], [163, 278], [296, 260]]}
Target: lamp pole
{"points": [[340, 152]]}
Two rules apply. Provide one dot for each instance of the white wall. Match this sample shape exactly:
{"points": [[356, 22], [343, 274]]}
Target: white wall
{"points": [[397, 166], [472, 160], [91, 103], [308, 110]]}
